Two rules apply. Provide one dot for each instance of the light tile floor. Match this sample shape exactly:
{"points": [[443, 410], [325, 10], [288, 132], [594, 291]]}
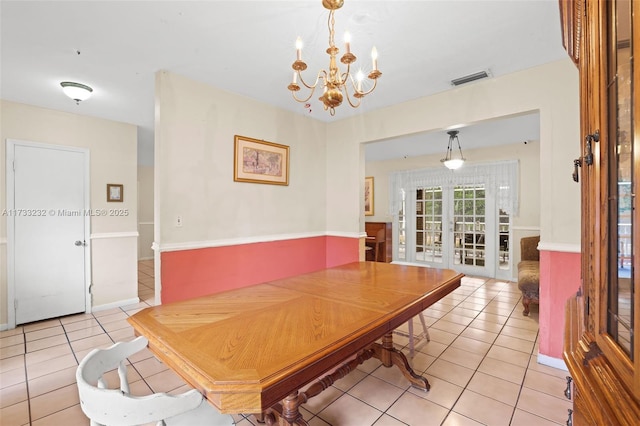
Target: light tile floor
{"points": [[481, 363]]}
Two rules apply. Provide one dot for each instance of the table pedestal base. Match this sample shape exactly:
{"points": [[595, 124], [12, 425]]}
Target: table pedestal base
{"points": [[287, 412]]}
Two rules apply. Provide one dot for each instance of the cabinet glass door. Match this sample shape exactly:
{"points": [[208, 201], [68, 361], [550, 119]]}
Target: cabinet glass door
{"points": [[620, 150]]}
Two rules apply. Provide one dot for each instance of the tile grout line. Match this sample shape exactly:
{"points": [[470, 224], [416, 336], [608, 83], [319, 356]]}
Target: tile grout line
{"points": [[484, 356]]}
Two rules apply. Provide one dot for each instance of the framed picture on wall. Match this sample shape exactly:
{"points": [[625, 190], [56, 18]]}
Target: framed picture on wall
{"points": [[259, 161], [368, 196], [115, 192]]}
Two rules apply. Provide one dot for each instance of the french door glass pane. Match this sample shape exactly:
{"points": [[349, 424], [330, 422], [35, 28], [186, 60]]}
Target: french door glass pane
{"points": [[469, 225], [429, 224], [503, 239], [402, 229]]}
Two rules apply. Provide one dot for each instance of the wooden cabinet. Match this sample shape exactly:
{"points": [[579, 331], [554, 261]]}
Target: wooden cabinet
{"points": [[372, 228], [602, 334]]}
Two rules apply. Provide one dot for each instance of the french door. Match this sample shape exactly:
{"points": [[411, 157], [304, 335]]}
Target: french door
{"points": [[455, 226]]}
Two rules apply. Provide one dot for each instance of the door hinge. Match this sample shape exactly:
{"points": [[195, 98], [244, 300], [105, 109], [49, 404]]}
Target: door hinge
{"points": [[13, 164], [15, 304]]}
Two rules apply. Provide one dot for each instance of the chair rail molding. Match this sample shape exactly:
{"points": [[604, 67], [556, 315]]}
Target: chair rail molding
{"points": [[561, 247], [190, 245], [102, 235]]}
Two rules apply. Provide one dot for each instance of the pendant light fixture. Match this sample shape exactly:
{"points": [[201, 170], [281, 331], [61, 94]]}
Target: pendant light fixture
{"points": [[452, 161]]}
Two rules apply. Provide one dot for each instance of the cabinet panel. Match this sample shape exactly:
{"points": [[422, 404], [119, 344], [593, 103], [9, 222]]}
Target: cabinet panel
{"points": [[601, 338]]}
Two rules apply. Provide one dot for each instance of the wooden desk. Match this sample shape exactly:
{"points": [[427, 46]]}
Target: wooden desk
{"points": [[248, 349]]}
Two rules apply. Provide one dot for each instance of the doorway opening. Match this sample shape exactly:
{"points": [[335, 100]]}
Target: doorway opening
{"points": [[465, 226]]}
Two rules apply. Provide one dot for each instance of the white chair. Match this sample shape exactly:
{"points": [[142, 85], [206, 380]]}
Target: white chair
{"points": [[412, 337], [119, 408]]}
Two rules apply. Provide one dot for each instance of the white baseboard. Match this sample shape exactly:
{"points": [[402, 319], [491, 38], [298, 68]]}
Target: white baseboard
{"points": [[117, 304], [552, 362]]}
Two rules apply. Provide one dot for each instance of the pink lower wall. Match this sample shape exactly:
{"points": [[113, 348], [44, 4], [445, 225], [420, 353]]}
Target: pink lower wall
{"points": [[191, 273], [559, 280]]}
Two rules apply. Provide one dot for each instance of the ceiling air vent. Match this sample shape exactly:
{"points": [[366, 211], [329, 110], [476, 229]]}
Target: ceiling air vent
{"points": [[469, 78]]}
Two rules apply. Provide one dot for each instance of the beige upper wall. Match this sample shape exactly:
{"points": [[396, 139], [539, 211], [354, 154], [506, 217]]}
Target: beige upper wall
{"points": [[551, 88], [195, 128], [112, 148], [194, 149]]}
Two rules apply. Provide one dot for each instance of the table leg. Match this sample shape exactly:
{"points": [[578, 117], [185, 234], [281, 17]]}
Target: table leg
{"points": [[290, 413], [390, 356], [287, 413], [283, 414]]}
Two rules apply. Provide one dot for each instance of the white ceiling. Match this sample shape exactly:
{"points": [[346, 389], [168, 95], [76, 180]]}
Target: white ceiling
{"points": [[247, 47], [506, 130]]}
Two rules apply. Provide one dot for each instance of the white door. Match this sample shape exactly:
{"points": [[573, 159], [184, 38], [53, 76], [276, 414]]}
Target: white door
{"points": [[48, 231]]}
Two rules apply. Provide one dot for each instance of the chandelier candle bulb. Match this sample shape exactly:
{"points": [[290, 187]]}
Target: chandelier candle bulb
{"points": [[299, 48], [360, 77], [347, 42], [374, 57]]}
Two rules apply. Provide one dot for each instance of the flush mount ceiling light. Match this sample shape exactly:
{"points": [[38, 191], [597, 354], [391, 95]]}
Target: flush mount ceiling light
{"points": [[450, 161], [334, 81], [76, 91]]}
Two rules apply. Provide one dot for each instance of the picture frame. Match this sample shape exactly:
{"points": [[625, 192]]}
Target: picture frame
{"points": [[368, 196], [115, 193], [259, 161]]}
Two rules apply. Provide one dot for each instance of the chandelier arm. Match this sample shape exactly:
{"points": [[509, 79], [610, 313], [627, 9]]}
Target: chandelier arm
{"points": [[353, 105], [347, 76], [375, 83], [312, 86], [313, 89]]}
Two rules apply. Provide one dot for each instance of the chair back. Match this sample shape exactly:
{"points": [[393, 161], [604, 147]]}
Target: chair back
{"points": [[529, 248], [116, 406], [381, 236]]}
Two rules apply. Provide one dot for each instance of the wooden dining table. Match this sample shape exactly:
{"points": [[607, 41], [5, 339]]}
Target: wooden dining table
{"points": [[266, 349]]}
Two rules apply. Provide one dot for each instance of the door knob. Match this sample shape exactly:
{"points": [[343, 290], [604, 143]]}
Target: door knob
{"points": [[79, 243]]}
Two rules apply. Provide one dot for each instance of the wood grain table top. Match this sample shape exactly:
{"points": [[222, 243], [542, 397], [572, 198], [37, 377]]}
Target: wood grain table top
{"points": [[248, 348]]}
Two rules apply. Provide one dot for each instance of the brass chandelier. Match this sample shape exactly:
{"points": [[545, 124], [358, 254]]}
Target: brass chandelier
{"points": [[334, 81]]}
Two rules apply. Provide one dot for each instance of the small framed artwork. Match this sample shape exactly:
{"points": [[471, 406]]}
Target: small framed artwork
{"points": [[258, 161], [115, 192], [368, 196]]}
